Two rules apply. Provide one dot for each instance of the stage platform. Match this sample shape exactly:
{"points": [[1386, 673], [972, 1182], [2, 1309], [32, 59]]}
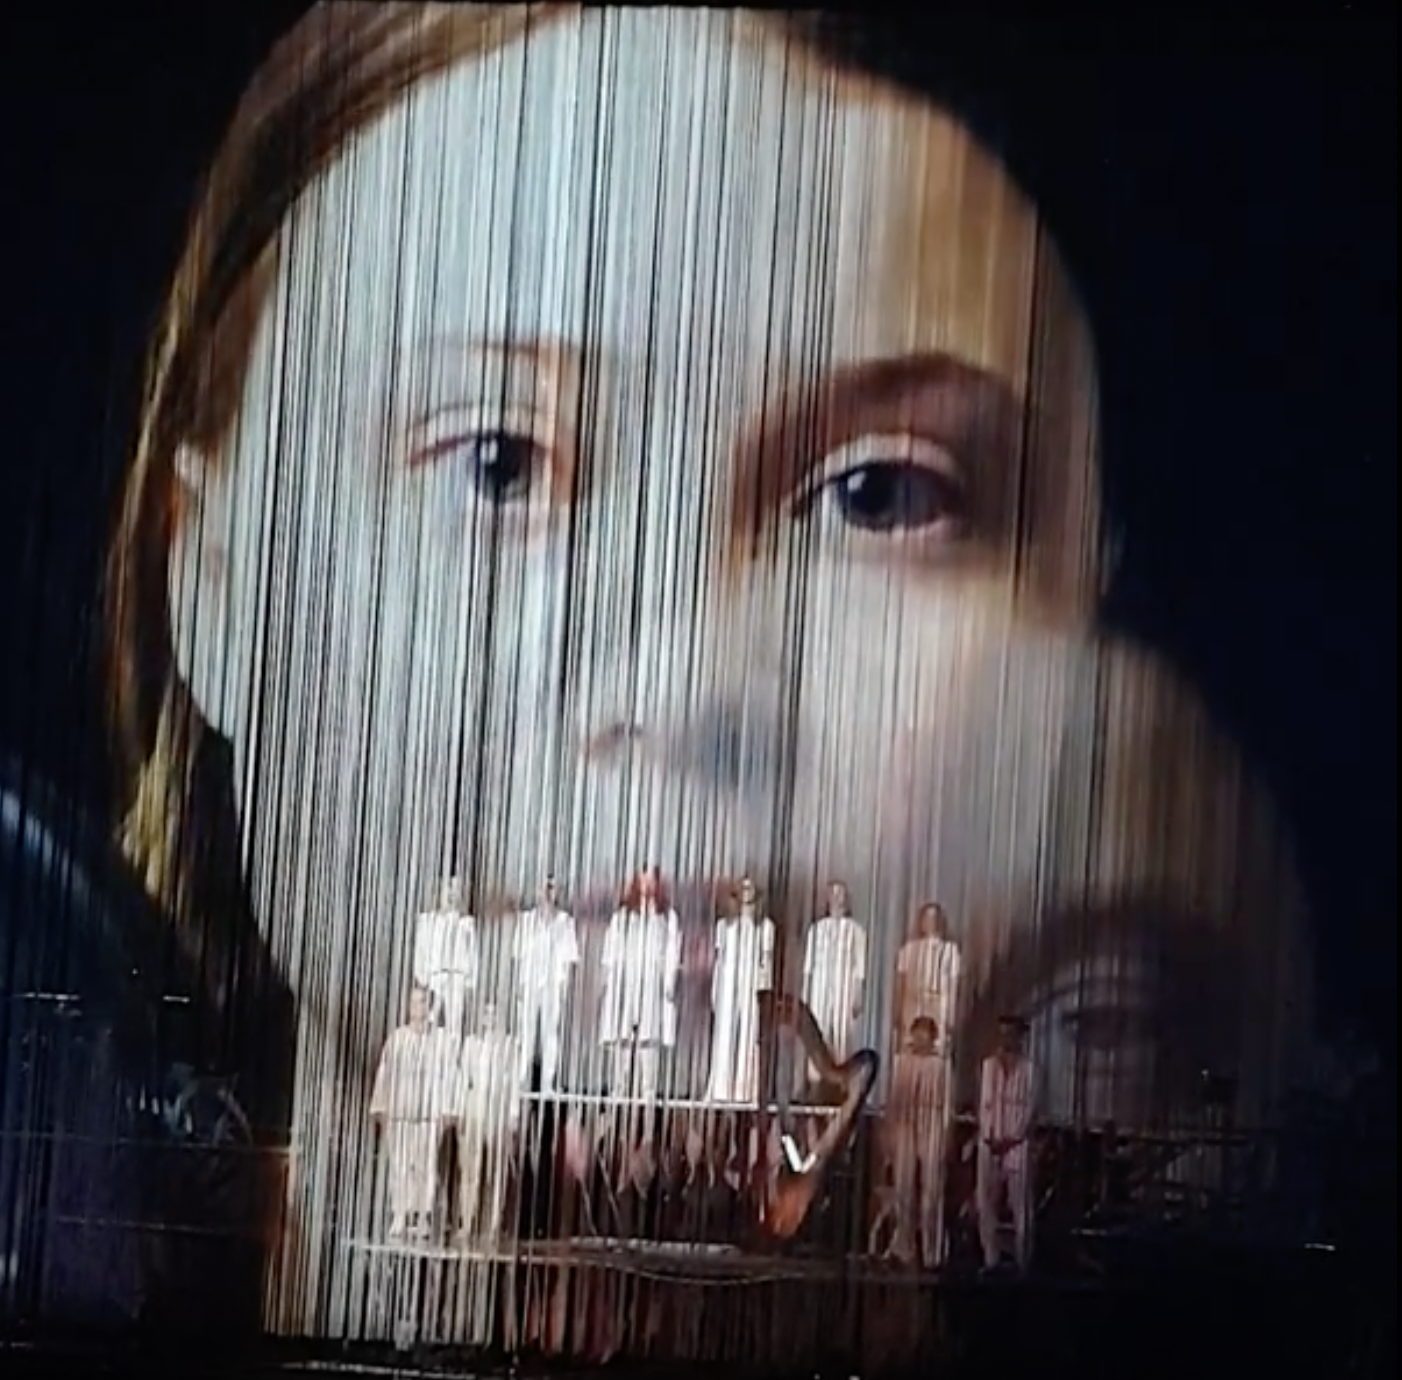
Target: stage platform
{"points": [[1186, 1310], [724, 1311]]}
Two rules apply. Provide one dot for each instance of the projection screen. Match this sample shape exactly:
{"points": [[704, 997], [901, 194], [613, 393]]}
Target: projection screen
{"points": [[610, 566]]}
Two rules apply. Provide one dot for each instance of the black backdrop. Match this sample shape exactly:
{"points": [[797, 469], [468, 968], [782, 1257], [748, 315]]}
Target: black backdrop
{"points": [[1227, 190]]}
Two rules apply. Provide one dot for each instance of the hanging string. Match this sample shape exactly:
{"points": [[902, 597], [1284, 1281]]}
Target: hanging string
{"points": [[660, 460]]}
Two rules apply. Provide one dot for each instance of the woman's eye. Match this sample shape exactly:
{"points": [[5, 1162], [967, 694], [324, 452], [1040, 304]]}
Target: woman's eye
{"points": [[888, 496], [499, 465], [888, 484]]}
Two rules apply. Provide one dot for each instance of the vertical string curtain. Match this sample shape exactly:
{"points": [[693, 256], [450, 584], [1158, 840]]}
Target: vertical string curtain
{"points": [[566, 527]]}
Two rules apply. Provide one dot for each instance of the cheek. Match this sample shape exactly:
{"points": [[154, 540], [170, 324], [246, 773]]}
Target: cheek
{"points": [[900, 659]]}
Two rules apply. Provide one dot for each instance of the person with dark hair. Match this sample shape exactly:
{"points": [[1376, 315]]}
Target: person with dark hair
{"points": [[411, 1102], [917, 1130], [1006, 1111], [546, 953], [447, 960]]}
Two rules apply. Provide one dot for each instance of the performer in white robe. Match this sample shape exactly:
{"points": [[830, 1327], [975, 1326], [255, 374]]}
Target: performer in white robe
{"points": [[487, 1106], [744, 967], [1006, 1107], [641, 964], [927, 980], [917, 1132], [834, 974], [411, 1099], [446, 958], [546, 952]]}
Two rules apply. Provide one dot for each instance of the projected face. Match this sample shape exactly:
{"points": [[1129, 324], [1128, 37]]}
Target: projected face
{"points": [[420, 1007], [682, 451], [747, 892]]}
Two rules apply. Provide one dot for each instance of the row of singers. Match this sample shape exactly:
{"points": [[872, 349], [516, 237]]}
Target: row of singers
{"points": [[641, 966], [428, 1082]]}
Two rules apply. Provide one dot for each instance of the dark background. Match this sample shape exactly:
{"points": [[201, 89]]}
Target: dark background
{"points": [[1226, 189]]}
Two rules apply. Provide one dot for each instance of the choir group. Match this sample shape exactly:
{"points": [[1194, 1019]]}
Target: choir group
{"points": [[446, 1067]]}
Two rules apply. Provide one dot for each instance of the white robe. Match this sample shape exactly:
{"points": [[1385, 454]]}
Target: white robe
{"points": [[834, 978], [929, 969], [917, 1127], [744, 967], [413, 1094], [488, 1108], [641, 962], [1006, 1107], [446, 961], [546, 949]]}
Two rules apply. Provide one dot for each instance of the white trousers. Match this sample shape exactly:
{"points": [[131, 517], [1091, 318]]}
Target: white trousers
{"points": [[452, 994], [483, 1175], [734, 1072], [633, 1070], [919, 1142], [411, 1149], [539, 1011], [1007, 1175]]}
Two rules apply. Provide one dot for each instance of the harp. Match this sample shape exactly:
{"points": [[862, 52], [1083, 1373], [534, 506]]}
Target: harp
{"points": [[787, 1193]]}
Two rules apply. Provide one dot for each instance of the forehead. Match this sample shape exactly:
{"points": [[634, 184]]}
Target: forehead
{"points": [[681, 168]]}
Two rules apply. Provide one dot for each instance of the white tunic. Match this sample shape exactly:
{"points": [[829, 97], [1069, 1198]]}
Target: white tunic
{"points": [[415, 1077], [413, 1093], [1007, 1099], [834, 975], [744, 966], [445, 951], [487, 1095], [919, 1088], [545, 949], [929, 970], [1006, 1107], [641, 960]]}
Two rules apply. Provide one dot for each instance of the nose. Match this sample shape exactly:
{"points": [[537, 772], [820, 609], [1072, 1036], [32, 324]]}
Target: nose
{"points": [[689, 696], [668, 667]]}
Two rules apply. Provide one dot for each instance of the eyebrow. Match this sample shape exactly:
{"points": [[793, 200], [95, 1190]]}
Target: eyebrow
{"points": [[973, 411], [444, 369], [559, 361]]}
